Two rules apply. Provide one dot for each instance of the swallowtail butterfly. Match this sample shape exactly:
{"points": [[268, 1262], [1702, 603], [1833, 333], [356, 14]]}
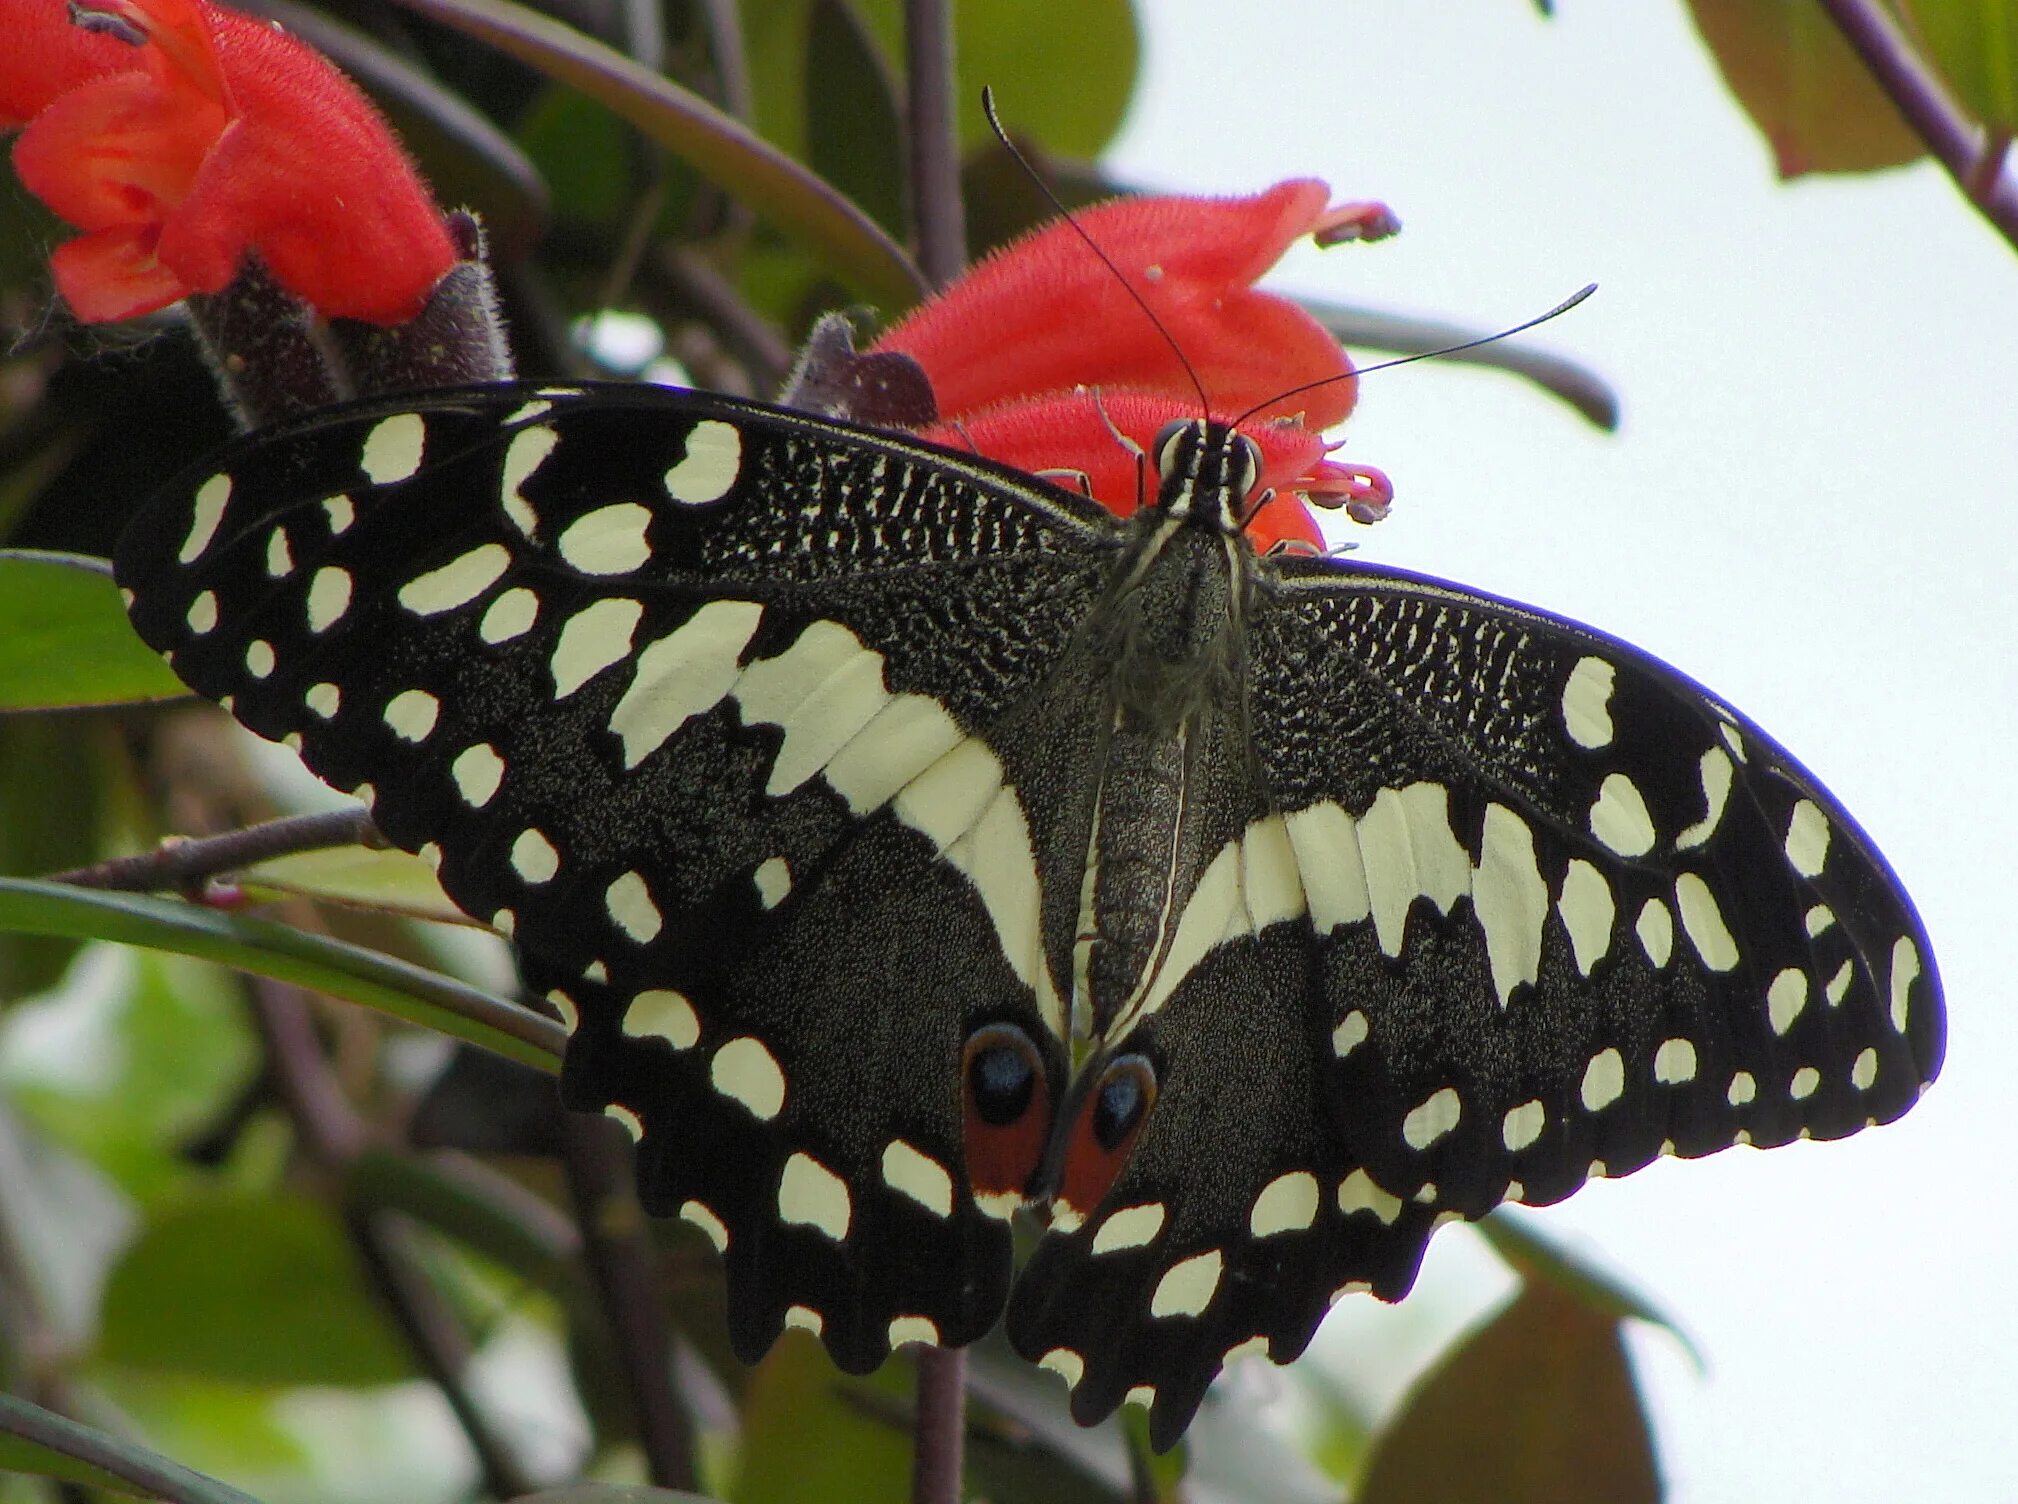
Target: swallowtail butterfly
{"points": [[904, 839]]}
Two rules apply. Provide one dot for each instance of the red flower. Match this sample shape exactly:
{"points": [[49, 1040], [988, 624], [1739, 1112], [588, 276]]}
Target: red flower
{"points": [[181, 136], [1038, 355]]}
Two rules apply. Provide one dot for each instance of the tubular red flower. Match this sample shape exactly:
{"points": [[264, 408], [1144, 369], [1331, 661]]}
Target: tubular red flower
{"points": [[219, 136], [1014, 346]]}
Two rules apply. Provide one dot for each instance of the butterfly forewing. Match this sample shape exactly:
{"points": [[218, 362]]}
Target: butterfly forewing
{"points": [[822, 780]]}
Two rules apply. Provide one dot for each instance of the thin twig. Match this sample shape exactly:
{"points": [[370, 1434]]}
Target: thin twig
{"points": [[722, 23], [181, 862], [934, 140], [940, 1430], [1959, 143], [622, 1261]]}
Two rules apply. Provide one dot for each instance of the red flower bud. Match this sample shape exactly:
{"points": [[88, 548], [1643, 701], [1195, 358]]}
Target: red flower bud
{"points": [[184, 136]]}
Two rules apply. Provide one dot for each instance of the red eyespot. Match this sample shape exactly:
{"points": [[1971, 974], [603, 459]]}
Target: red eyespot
{"points": [[1008, 1111], [1110, 1118]]}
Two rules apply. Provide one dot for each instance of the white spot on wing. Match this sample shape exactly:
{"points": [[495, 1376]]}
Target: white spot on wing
{"points": [[811, 1195], [1287, 1203], [1786, 998], [259, 659], [534, 858], [1805, 1081], [1131, 1227], [632, 910], [1510, 899], [1675, 1062], [1742, 1089], [632, 1123], [477, 771], [684, 674], [1523, 1125], [1587, 714], [657, 1013], [341, 512], [1432, 1119], [1349, 1035], [279, 555], [1358, 1193], [1409, 851], [525, 454], [1864, 1073], [820, 692], [324, 699], [609, 540], [745, 1070], [393, 448], [912, 1172], [1187, 1287], [1905, 970], [1716, 774], [206, 510], [328, 597], [593, 638], [806, 1319], [1619, 819], [708, 469], [202, 617], [457, 582], [510, 615], [1819, 918], [1067, 1364], [1839, 984], [1604, 1080], [1704, 922], [412, 714], [1807, 839], [704, 1218], [1587, 913], [774, 880], [1656, 929], [914, 1329]]}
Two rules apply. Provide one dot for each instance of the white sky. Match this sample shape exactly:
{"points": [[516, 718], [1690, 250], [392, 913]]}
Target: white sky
{"points": [[1812, 506]]}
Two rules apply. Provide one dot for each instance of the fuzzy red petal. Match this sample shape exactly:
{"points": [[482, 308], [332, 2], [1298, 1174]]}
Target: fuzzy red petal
{"points": [[114, 274], [43, 56]]}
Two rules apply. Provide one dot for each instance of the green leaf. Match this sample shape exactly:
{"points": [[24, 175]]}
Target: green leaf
{"points": [[64, 639], [383, 881], [276, 950], [1535, 1256], [40, 1442], [807, 1434], [1806, 91], [1538, 1406], [720, 147], [854, 132], [258, 1290], [1975, 46], [52, 798]]}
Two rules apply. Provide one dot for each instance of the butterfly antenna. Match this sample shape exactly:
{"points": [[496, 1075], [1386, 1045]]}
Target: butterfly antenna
{"points": [[1002, 135], [1402, 360]]}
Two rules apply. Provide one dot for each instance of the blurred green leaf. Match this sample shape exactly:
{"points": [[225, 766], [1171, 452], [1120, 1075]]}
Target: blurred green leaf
{"points": [[385, 881], [583, 151], [64, 638], [854, 131], [37, 1441], [289, 955], [51, 806], [258, 1290], [1537, 1256], [1538, 1406], [804, 1438], [1975, 47], [1806, 91]]}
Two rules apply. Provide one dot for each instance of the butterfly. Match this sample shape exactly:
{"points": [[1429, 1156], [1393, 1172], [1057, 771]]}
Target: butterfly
{"points": [[906, 841]]}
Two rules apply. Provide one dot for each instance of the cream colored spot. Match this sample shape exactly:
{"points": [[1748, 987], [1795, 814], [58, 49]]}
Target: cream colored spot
{"points": [[1131, 1227], [202, 616], [457, 582], [1510, 900], [745, 1070], [1839, 984], [1254, 1347], [328, 597], [1905, 971], [1656, 929], [632, 910], [431, 854], [1743, 1089], [1142, 1396], [682, 675], [632, 1123], [811, 1195], [505, 922], [412, 714], [478, 772], [1358, 1193], [914, 1329], [1523, 1125], [1619, 818], [806, 1319], [1808, 839], [393, 449], [912, 1172], [609, 540], [1408, 851], [593, 638], [279, 555], [525, 454], [1716, 775], [708, 468], [534, 858], [1675, 1062], [1604, 1080], [510, 615], [1067, 1364], [565, 1006], [1865, 1071], [1187, 1287], [1704, 923], [324, 699], [1329, 865], [1587, 912], [259, 660], [1786, 998], [1820, 917], [1432, 1119], [658, 1013], [774, 881], [1587, 714], [206, 511], [341, 513], [1287, 1203], [705, 1219], [1349, 1035], [1805, 1081]]}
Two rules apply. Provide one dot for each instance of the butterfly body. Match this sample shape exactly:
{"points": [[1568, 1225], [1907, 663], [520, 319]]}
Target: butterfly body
{"points": [[906, 840]]}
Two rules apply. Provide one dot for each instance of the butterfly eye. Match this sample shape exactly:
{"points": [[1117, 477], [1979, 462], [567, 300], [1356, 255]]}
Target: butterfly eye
{"points": [[1113, 1115], [1161, 451], [1250, 464], [1007, 1110]]}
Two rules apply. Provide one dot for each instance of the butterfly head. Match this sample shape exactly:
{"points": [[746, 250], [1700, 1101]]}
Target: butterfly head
{"points": [[1207, 473]]}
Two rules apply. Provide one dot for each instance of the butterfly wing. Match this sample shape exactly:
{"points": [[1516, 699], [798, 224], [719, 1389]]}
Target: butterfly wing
{"points": [[675, 691], [1516, 905]]}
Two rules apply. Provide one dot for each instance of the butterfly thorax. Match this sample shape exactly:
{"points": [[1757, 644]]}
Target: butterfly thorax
{"points": [[1172, 629]]}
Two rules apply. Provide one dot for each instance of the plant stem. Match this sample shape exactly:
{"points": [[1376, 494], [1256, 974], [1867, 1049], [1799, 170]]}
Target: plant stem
{"points": [[181, 863], [935, 141], [940, 1429], [1960, 144]]}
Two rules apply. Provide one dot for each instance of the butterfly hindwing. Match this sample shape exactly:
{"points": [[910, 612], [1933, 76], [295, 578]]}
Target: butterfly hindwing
{"points": [[672, 690]]}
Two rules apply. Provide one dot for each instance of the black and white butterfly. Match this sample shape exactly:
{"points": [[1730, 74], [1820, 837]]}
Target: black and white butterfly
{"points": [[905, 840]]}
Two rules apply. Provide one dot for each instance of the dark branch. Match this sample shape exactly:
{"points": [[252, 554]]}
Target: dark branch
{"points": [[935, 140], [179, 863], [940, 1428]]}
